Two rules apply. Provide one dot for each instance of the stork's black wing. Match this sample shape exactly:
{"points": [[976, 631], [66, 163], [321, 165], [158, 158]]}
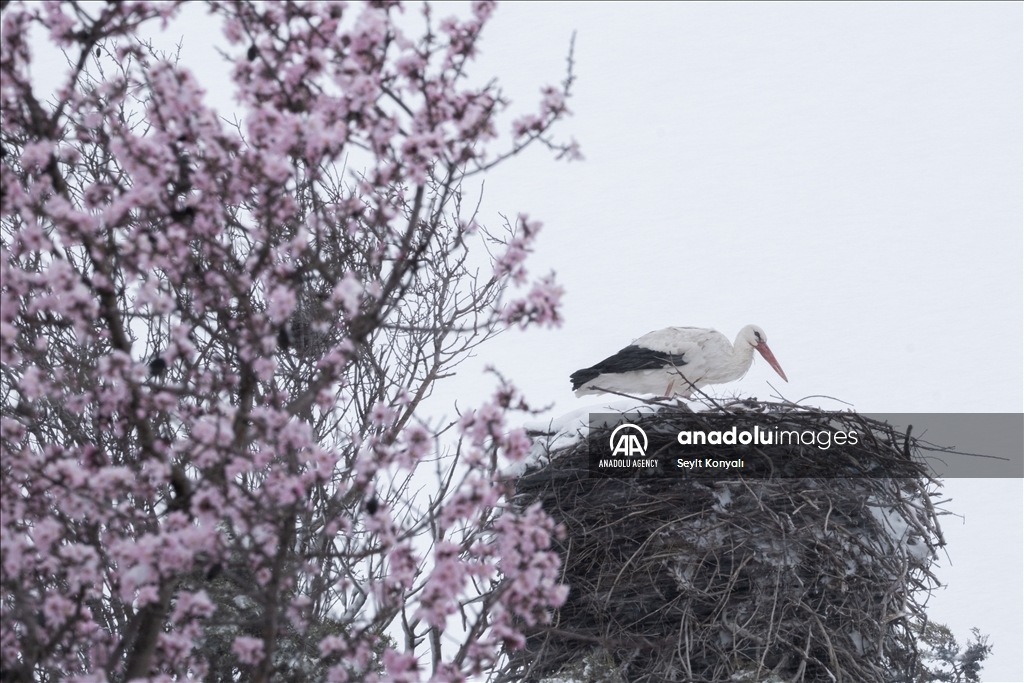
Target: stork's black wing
{"points": [[628, 359]]}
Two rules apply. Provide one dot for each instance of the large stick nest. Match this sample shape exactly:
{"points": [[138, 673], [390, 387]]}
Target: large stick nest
{"points": [[765, 578]]}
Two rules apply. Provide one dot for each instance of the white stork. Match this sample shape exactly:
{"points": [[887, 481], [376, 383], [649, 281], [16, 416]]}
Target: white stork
{"points": [[675, 361]]}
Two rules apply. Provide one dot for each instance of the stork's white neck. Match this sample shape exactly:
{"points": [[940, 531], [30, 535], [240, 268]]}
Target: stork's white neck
{"points": [[740, 360]]}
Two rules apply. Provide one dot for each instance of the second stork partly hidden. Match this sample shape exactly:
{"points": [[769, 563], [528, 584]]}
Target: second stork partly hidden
{"points": [[675, 361]]}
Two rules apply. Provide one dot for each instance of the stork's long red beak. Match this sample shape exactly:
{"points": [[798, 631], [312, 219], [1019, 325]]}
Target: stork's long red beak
{"points": [[770, 357]]}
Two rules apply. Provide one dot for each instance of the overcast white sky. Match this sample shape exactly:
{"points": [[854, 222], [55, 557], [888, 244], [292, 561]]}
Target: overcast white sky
{"points": [[847, 176]]}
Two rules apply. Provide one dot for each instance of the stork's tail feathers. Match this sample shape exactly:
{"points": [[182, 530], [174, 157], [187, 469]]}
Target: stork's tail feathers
{"points": [[581, 377]]}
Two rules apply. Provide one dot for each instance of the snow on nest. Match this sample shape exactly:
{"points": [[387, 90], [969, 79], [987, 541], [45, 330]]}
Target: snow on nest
{"points": [[900, 530]]}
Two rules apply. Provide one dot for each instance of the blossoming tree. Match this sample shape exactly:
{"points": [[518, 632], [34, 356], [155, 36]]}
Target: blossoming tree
{"points": [[216, 338]]}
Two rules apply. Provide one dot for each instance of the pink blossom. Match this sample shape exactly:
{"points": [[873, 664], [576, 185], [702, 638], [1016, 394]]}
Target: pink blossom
{"points": [[401, 667], [332, 644], [61, 25], [263, 576], [348, 293], [31, 383], [488, 422], [404, 566], [280, 303], [234, 31], [526, 125], [382, 414], [516, 445], [264, 368], [446, 581], [246, 459], [418, 443], [553, 102], [248, 650], [338, 674], [36, 156], [541, 305], [193, 604], [482, 9], [146, 595]]}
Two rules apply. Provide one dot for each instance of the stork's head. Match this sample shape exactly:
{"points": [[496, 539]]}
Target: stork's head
{"points": [[756, 337]]}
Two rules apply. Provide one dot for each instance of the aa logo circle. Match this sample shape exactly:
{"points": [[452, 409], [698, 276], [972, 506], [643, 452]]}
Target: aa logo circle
{"points": [[628, 440]]}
